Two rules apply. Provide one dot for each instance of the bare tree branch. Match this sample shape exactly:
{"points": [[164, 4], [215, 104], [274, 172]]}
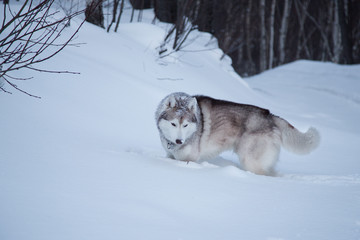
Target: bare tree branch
{"points": [[31, 36]]}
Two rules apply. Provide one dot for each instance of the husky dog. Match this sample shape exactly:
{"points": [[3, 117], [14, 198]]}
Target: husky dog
{"points": [[199, 127]]}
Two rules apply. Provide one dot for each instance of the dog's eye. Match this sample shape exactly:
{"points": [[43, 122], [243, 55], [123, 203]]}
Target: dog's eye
{"points": [[185, 125], [173, 124]]}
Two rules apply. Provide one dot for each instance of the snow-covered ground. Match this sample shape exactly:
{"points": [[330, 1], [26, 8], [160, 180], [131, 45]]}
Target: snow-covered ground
{"points": [[85, 161]]}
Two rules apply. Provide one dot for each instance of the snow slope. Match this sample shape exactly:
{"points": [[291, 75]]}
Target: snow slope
{"points": [[85, 161]]}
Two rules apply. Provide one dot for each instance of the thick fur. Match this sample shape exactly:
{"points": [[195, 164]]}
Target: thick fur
{"points": [[199, 127]]}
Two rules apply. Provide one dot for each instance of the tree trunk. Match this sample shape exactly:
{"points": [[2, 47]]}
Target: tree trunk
{"points": [[271, 44], [119, 16], [345, 40], [283, 31], [132, 14], [262, 37], [248, 36], [116, 4], [301, 8], [336, 35]]}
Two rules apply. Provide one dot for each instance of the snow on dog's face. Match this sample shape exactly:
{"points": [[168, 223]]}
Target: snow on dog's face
{"points": [[178, 121]]}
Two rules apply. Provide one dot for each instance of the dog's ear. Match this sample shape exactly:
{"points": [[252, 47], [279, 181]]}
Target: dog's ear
{"points": [[193, 104], [171, 101]]}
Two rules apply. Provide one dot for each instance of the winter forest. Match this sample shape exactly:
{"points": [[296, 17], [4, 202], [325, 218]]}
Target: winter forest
{"points": [[256, 35], [261, 34], [80, 150]]}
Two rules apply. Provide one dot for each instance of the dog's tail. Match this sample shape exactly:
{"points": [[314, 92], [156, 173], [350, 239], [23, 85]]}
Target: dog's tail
{"points": [[296, 141]]}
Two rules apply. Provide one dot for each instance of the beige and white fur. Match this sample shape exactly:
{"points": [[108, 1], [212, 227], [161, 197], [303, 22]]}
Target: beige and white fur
{"points": [[199, 127]]}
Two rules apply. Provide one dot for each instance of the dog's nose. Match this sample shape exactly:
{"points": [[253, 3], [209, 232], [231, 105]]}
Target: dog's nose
{"points": [[178, 141]]}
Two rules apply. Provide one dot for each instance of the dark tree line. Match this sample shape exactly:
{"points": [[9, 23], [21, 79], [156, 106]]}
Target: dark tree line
{"points": [[262, 34], [95, 15]]}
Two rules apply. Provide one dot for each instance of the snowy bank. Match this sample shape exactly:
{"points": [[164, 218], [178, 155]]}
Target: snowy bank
{"points": [[85, 161]]}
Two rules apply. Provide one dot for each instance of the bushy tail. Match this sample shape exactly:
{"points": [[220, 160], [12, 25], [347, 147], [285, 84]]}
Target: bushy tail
{"points": [[296, 141]]}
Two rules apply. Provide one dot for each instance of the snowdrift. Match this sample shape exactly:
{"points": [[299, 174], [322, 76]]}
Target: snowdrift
{"points": [[85, 161]]}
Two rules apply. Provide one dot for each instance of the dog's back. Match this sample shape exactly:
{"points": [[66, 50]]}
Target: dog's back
{"points": [[225, 123]]}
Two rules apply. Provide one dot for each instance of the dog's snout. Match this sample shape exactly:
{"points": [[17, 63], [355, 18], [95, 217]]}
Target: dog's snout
{"points": [[179, 141]]}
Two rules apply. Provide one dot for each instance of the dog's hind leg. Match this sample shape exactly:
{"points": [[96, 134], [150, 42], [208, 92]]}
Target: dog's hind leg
{"points": [[259, 153]]}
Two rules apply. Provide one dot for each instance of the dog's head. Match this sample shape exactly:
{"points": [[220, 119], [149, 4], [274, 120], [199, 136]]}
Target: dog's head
{"points": [[178, 117]]}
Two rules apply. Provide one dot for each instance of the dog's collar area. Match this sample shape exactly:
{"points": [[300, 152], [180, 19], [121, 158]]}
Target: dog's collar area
{"points": [[170, 145]]}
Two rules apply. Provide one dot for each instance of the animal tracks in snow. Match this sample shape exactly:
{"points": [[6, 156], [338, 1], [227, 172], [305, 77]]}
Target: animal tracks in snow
{"points": [[231, 169], [325, 179], [351, 98]]}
